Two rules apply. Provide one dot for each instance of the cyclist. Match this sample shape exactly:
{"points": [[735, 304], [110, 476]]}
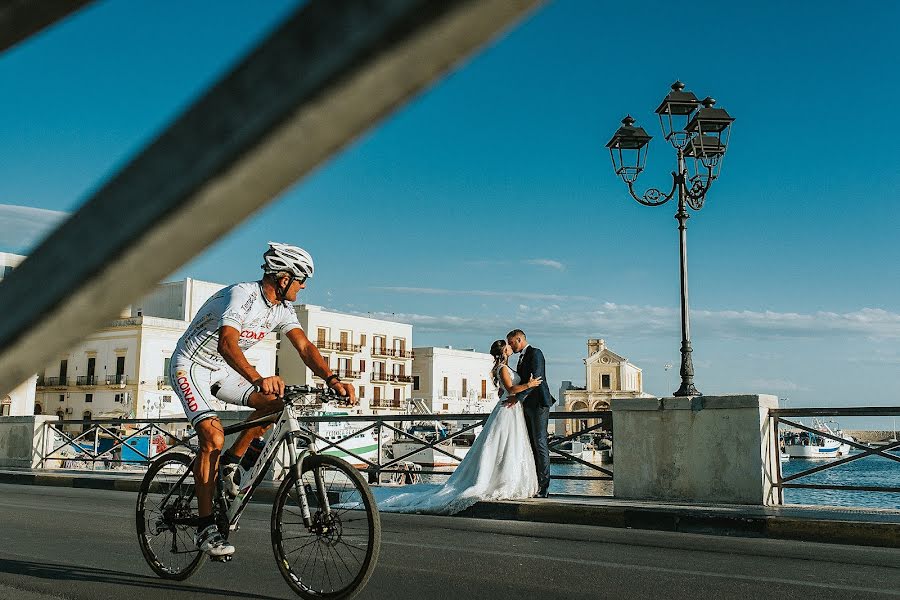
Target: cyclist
{"points": [[209, 361]]}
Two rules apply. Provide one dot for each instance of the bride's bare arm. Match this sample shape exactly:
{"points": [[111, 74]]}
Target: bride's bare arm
{"points": [[511, 389]]}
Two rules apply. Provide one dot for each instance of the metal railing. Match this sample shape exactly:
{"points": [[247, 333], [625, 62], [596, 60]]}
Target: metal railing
{"points": [[120, 379], [338, 346], [348, 374], [779, 417], [57, 382], [391, 352], [83, 449], [381, 376], [162, 383], [86, 380]]}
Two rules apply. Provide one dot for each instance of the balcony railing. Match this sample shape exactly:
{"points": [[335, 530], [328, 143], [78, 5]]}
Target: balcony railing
{"points": [[385, 403], [348, 374], [117, 380], [391, 352], [57, 382], [338, 346], [391, 377], [41, 381], [162, 383], [86, 380]]}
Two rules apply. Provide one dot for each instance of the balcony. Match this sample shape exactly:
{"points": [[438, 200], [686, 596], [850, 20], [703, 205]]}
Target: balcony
{"points": [[86, 380], [57, 382], [338, 347], [380, 377], [348, 374], [41, 382], [162, 383], [385, 403], [390, 352], [117, 380]]}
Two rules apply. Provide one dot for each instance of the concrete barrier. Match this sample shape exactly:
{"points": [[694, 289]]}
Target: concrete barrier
{"points": [[23, 440], [710, 449]]}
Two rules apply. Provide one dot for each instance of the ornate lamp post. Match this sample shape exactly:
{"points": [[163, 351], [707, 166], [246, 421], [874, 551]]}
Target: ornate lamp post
{"points": [[699, 133]]}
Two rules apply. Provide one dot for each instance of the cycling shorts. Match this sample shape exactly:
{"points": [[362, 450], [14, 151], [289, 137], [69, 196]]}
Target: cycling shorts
{"points": [[197, 385]]}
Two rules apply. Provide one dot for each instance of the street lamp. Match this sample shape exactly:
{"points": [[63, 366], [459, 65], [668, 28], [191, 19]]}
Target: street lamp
{"points": [[699, 132]]}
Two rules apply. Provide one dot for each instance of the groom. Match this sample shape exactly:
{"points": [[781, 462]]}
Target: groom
{"points": [[536, 404]]}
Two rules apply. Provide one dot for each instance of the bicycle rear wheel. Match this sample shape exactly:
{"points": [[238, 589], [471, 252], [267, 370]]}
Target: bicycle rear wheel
{"points": [[167, 517], [336, 556]]}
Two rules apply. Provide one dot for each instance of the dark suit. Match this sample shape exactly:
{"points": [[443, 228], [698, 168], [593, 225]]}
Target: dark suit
{"points": [[536, 403]]}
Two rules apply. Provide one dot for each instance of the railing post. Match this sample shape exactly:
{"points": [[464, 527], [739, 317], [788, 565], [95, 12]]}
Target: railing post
{"points": [[776, 424]]}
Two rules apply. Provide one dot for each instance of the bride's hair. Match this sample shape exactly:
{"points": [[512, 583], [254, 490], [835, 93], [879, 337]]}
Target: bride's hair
{"points": [[497, 352]]}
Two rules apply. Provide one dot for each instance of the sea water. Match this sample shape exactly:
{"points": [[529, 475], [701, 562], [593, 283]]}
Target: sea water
{"points": [[868, 471]]}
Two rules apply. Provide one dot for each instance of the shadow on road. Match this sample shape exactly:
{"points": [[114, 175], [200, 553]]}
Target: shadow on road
{"points": [[62, 573]]}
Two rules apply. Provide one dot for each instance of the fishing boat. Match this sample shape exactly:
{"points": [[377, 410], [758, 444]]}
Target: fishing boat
{"points": [[422, 453], [804, 444]]}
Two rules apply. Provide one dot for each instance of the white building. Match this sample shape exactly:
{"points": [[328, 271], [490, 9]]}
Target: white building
{"points": [[607, 376], [20, 401], [121, 370], [452, 380], [374, 355]]}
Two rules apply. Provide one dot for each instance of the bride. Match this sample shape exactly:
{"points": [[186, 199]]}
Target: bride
{"points": [[499, 466]]}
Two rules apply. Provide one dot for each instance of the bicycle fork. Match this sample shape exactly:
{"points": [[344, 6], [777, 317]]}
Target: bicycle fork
{"points": [[297, 464]]}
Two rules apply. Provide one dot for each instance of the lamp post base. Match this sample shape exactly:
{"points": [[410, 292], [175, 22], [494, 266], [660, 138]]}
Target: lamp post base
{"points": [[687, 389]]}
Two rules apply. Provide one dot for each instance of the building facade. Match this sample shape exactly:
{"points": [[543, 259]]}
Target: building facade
{"points": [[20, 401], [452, 380], [607, 376], [122, 370], [374, 355]]}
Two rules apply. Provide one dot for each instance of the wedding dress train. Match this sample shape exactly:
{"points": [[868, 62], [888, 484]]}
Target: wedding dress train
{"points": [[498, 466]]}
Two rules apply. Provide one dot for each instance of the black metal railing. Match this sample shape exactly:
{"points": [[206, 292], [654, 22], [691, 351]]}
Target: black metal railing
{"points": [[162, 383], [119, 379], [86, 380], [381, 376], [788, 417], [338, 346], [57, 382], [82, 448]]}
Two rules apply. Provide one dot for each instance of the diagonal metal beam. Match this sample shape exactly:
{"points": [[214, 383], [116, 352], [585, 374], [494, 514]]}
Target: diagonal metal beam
{"points": [[328, 73], [20, 19]]}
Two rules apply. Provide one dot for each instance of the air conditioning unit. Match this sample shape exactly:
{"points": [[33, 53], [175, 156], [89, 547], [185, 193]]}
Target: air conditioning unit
{"points": [[68, 411]]}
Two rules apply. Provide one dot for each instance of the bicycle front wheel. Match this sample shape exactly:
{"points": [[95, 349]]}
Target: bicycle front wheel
{"points": [[335, 557], [167, 517]]}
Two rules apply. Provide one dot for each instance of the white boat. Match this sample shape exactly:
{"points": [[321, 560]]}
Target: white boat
{"points": [[363, 445], [803, 444], [416, 451]]}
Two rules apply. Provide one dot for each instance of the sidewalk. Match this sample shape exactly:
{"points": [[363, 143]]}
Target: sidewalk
{"points": [[838, 525]]}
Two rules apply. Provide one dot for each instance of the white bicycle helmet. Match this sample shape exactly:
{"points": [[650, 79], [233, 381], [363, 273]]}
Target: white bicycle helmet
{"points": [[286, 258]]}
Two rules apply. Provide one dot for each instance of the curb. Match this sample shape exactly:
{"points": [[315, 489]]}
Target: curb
{"points": [[682, 520], [830, 531]]}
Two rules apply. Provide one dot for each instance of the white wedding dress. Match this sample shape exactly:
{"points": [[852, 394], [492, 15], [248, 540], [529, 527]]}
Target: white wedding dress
{"points": [[499, 466]]}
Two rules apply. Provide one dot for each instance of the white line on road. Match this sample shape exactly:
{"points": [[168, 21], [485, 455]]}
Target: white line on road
{"points": [[650, 568]]}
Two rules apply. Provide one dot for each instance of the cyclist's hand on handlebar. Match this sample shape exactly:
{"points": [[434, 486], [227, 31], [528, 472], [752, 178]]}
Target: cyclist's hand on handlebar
{"points": [[270, 385], [346, 391]]}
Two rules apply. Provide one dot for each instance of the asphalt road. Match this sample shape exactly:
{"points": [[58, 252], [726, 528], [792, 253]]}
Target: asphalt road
{"points": [[80, 543]]}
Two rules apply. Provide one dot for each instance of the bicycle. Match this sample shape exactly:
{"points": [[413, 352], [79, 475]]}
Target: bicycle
{"points": [[322, 509]]}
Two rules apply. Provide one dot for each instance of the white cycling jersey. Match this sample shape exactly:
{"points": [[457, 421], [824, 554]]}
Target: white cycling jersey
{"points": [[242, 306]]}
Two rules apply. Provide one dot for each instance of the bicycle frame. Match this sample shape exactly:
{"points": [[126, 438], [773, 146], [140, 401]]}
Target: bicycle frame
{"points": [[286, 430]]}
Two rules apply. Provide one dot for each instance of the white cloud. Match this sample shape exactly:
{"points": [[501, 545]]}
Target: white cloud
{"points": [[21, 227], [613, 320], [490, 293], [545, 262]]}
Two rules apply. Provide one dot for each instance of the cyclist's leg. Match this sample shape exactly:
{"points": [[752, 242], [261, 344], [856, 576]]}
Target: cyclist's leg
{"points": [[234, 389], [192, 384], [206, 468]]}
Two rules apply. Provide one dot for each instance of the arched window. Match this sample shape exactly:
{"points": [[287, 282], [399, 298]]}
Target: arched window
{"points": [[60, 414], [5, 407], [86, 417], [38, 409]]}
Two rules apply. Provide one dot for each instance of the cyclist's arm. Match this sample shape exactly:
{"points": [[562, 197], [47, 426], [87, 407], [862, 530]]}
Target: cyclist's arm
{"points": [[313, 359], [234, 356]]}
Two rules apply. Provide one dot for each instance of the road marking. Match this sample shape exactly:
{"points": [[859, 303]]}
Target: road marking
{"points": [[651, 568]]}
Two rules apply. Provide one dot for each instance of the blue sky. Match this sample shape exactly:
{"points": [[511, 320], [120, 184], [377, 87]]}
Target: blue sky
{"points": [[489, 202]]}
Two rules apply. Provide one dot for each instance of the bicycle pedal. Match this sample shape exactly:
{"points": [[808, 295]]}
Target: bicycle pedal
{"points": [[222, 559]]}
